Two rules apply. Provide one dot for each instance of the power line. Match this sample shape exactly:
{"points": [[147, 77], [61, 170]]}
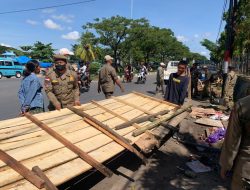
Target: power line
{"points": [[223, 11], [48, 7]]}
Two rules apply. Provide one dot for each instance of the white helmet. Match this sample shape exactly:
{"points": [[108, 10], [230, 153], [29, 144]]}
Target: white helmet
{"points": [[65, 51]]}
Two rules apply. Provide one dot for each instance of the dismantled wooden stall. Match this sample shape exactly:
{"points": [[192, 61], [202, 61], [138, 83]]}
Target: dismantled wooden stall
{"points": [[31, 145]]}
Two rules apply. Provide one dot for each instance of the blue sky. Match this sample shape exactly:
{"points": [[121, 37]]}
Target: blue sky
{"points": [[190, 20]]}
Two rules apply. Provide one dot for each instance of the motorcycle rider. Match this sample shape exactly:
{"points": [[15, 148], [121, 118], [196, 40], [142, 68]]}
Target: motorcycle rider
{"points": [[83, 74], [143, 71]]}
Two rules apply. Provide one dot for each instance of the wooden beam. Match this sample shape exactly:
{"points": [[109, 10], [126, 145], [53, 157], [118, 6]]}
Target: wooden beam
{"points": [[140, 119], [132, 105], [159, 121], [109, 111], [107, 131], [83, 155], [155, 99], [22, 170], [48, 184]]}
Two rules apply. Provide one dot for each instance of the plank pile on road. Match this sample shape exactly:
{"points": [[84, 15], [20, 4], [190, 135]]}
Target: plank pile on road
{"points": [[64, 144]]}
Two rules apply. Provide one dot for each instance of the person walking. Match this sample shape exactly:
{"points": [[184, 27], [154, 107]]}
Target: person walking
{"points": [[160, 78], [30, 93], [176, 90], [61, 85], [235, 154], [108, 78]]}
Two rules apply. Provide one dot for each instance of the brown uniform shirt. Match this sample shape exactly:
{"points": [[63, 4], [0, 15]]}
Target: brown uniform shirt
{"points": [[160, 74], [107, 78], [236, 147], [63, 89]]}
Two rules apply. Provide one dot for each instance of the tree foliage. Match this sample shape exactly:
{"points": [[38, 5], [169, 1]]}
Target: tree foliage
{"points": [[132, 40], [42, 52]]}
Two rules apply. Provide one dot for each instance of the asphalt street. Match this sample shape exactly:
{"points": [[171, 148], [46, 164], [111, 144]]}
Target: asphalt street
{"points": [[9, 104]]}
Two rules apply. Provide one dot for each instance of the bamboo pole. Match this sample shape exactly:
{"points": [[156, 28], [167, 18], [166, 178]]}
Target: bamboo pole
{"points": [[159, 121]]}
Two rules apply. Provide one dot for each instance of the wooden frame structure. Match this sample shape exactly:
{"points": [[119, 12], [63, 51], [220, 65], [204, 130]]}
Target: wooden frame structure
{"points": [[92, 132]]}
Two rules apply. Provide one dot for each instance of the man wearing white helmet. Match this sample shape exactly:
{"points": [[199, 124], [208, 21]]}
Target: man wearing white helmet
{"points": [[160, 78]]}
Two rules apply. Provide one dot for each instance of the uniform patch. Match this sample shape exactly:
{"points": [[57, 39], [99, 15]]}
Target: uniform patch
{"points": [[176, 80], [55, 81], [71, 78]]}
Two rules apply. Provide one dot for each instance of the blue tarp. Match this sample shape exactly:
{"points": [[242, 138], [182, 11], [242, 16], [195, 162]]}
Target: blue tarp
{"points": [[45, 65], [23, 59]]}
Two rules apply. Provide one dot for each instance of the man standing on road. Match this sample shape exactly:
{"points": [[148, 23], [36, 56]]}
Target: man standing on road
{"points": [[160, 78], [30, 93], [176, 90], [108, 78], [207, 80], [236, 148], [229, 87], [61, 85], [194, 80]]}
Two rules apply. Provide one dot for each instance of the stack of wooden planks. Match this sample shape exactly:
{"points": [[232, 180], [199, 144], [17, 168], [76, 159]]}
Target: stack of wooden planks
{"points": [[31, 146]]}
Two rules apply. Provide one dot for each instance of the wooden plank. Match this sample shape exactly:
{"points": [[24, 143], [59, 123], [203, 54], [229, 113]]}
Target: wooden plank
{"points": [[22, 170], [140, 119], [108, 110], [132, 105], [159, 121], [109, 132], [69, 170], [105, 171], [209, 122], [48, 184], [58, 157], [155, 99]]}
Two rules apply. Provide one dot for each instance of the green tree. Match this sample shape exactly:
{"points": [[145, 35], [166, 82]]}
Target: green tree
{"points": [[214, 50], [26, 49], [111, 32], [42, 52]]}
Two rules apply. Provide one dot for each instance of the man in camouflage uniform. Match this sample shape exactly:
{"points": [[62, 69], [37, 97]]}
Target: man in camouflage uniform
{"points": [[160, 78], [235, 153], [108, 78], [61, 85], [229, 87]]}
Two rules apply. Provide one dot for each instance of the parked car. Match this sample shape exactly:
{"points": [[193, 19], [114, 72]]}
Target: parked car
{"points": [[172, 67], [10, 67]]}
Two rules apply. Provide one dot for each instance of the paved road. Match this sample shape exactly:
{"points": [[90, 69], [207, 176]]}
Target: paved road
{"points": [[9, 105]]}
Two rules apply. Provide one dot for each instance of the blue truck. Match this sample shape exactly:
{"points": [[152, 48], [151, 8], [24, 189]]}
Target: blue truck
{"points": [[10, 67]]}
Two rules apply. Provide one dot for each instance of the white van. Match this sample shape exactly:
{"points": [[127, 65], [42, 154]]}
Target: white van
{"points": [[172, 67]]}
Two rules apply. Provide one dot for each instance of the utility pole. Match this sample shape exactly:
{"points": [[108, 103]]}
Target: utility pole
{"points": [[230, 33], [131, 17]]}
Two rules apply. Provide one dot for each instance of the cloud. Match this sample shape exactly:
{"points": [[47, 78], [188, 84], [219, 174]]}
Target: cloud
{"points": [[204, 53], [196, 36], [6, 45], [32, 22], [206, 34], [64, 18], [182, 38], [52, 25], [48, 11], [71, 36]]}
